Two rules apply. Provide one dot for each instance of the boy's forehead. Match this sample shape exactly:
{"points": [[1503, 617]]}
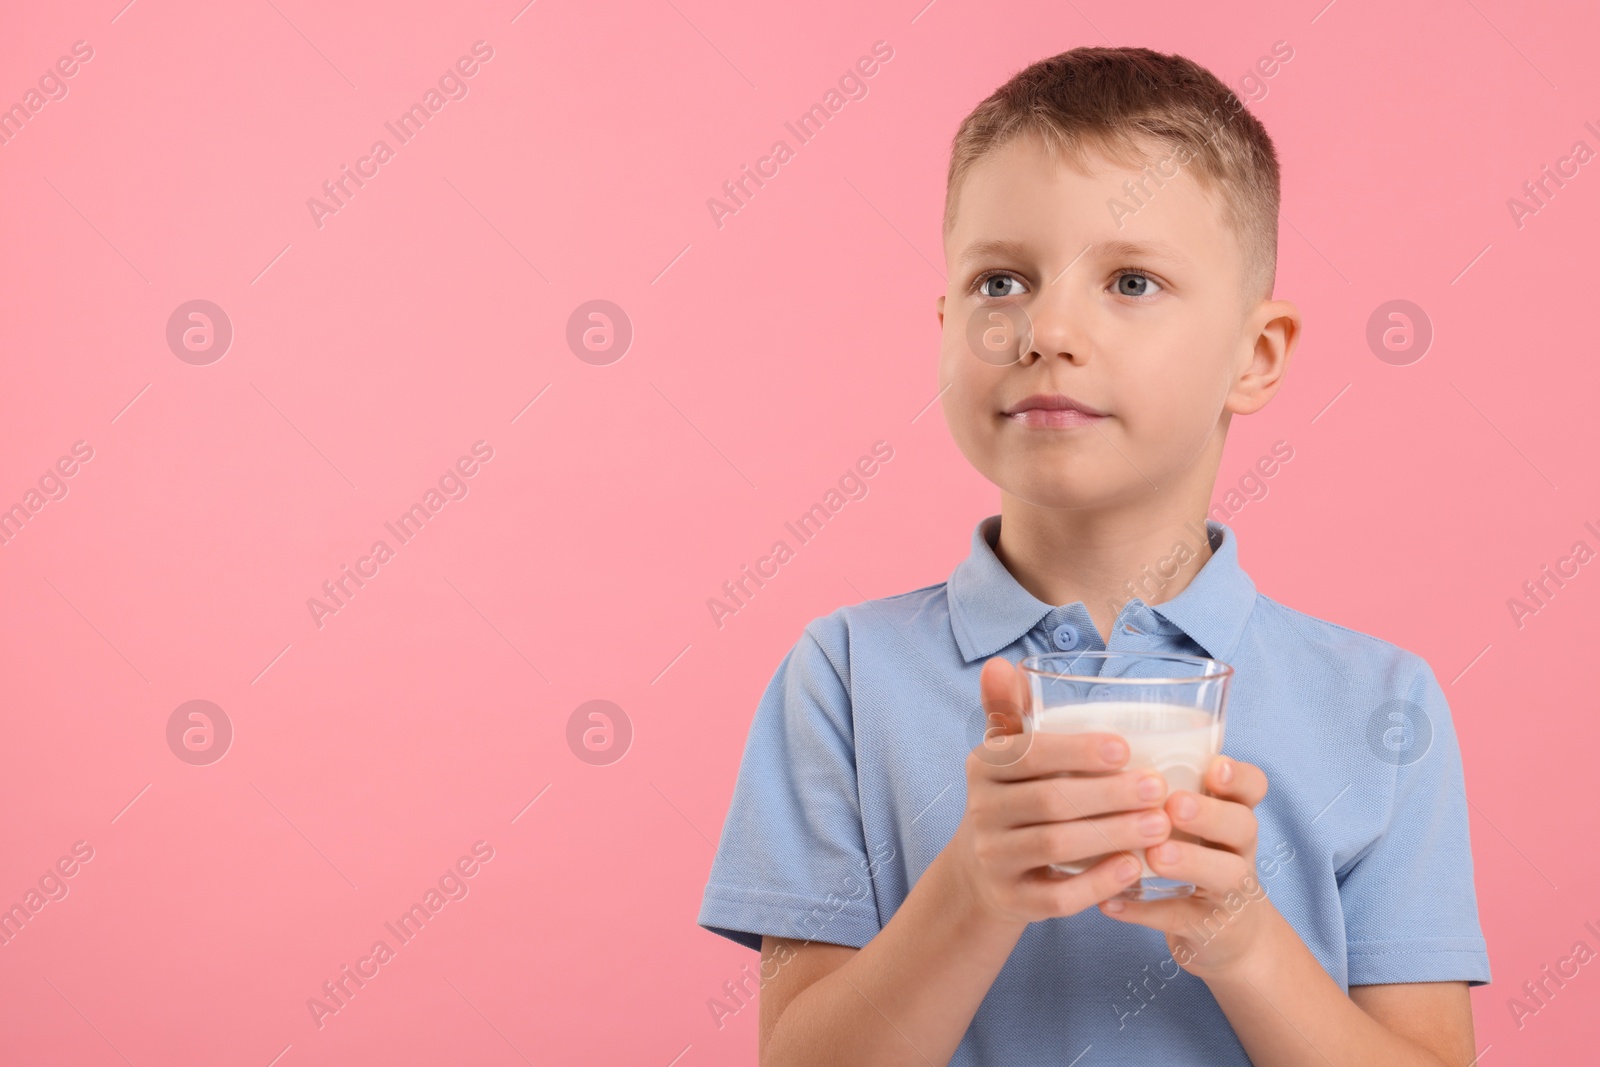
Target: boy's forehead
{"points": [[1019, 197]]}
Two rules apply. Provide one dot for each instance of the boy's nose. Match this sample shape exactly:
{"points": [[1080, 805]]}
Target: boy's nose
{"points": [[1056, 336], [1057, 326]]}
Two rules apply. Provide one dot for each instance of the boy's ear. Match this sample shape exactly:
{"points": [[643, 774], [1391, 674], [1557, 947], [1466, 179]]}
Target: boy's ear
{"points": [[1272, 331], [939, 307]]}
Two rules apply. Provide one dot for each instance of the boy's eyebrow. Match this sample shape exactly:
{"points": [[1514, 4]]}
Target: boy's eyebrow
{"points": [[998, 248], [1119, 248], [1116, 248]]}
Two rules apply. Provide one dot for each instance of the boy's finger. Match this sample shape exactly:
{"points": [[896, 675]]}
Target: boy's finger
{"points": [[1167, 916], [1016, 757], [1030, 802], [1218, 820], [1068, 896], [1213, 869], [1015, 753], [1001, 693], [1236, 780]]}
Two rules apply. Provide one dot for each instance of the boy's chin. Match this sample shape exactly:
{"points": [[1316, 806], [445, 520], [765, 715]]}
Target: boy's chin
{"points": [[1060, 494]]}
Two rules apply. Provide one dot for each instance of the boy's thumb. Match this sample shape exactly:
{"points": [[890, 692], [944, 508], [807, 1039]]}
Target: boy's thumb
{"points": [[1000, 690]]}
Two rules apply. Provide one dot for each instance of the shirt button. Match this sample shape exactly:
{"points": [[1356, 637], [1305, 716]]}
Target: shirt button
{"points": [[1065, 636], [1101, 692]]}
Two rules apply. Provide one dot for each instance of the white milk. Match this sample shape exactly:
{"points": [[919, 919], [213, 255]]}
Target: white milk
{"points": [[1177, 741]]}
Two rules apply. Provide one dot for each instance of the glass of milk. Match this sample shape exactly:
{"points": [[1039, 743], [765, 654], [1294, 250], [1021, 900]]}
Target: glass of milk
{"points": [[1168, 707]]}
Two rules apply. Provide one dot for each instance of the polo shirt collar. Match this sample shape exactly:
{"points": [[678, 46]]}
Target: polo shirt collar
{"points": [[990, 610]]}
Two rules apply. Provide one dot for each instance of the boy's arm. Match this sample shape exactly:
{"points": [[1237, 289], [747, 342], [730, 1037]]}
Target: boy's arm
{"points": [[898, 1000], [1287, 1011], [1436, 1015]]}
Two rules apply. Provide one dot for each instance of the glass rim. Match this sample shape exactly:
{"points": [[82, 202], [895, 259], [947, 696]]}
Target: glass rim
{"points": [[1029, 665]]}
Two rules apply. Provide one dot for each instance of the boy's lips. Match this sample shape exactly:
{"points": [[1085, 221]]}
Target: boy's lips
{"points": [[1053, 410]]}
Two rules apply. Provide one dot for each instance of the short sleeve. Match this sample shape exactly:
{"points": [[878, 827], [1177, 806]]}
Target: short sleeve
{"points": [[1410, 907], [793, 860]]}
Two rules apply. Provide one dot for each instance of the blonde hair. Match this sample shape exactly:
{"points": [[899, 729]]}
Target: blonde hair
{"points": [[1116, 102]]}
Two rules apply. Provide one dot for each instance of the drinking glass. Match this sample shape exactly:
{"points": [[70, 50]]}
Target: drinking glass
{"points": [[1169, 707]]}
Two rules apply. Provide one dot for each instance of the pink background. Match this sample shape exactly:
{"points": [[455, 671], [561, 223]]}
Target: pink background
{"points": [[368, 354]]}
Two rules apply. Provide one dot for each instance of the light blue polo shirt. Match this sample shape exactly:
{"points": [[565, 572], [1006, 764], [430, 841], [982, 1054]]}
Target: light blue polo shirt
{"points": [[853, 780]]}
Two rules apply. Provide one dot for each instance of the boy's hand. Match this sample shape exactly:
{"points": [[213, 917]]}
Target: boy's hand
{"points": [[1229, 915], [1019, 819]]}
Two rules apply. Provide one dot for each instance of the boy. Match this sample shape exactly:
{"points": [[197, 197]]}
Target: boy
{"points": [[1111, 234]]}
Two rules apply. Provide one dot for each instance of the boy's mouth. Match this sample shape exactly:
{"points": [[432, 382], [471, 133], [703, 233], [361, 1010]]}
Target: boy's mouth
{"points": [[1053, 410]]}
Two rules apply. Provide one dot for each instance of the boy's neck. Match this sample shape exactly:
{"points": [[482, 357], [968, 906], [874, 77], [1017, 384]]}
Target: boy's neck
{"points": [[1062, 557]]}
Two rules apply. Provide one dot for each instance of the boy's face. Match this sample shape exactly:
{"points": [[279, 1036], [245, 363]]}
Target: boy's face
{"points": [[1157, 335]]}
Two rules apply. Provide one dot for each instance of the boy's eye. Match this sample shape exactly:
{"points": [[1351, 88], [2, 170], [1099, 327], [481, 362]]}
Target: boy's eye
{"points": [[993, 285], [1132, 283]]}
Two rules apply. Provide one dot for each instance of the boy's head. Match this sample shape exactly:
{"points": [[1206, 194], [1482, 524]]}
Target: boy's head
{"points": [[1111, 234]]}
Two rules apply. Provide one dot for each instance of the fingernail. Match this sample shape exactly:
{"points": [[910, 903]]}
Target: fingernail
{"points": [[1112, 905], [1127, 870], [1225, 771], [1114, 751], [1152, 824], [1187, 807], [1167, 853], [1150, 786]]}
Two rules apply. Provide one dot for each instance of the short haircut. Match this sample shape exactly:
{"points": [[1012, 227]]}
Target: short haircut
{"points": [[1122, 102]]}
